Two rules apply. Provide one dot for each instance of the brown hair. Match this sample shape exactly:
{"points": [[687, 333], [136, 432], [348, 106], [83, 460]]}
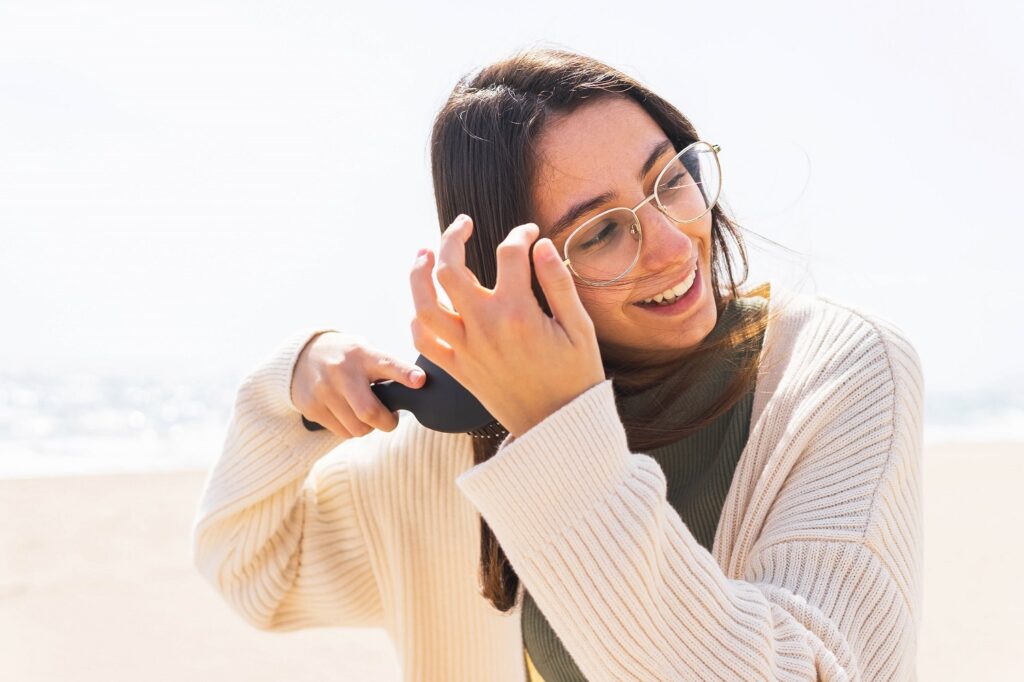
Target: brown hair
{"points": [[483, 163]]}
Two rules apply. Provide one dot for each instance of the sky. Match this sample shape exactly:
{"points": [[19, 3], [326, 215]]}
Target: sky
{"points": [[183, 185]]}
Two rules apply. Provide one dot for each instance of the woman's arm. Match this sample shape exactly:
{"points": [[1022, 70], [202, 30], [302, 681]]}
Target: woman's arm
{"points": [[278, 539], [831, 589]]}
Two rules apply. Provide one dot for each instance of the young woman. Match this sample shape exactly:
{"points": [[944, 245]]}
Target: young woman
{"points": [[697, 483]]}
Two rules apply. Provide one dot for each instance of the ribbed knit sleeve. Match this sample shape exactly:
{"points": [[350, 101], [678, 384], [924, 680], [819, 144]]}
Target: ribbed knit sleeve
{"points": [[831, 587], [279, 539]]}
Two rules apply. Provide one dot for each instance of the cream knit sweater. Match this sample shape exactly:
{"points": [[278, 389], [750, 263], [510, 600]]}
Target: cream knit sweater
{"points": [[817, 565]]}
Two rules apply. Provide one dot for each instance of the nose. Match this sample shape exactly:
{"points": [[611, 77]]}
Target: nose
{"points": [[666, 245]]}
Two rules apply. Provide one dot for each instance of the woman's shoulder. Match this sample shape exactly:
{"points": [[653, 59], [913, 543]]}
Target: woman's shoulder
{"points": [[814, 339], [851, 382], [894, 348], [798, 312]]}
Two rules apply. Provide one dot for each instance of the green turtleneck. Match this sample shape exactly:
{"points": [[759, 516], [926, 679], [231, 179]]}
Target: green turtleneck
{"points": [[698, 471]]}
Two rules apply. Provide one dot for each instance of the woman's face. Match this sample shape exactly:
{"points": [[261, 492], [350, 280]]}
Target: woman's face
{"points": [[602, 146]]}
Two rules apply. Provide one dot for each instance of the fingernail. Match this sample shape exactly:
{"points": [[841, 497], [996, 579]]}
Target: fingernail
{"points": [[416, 374]]}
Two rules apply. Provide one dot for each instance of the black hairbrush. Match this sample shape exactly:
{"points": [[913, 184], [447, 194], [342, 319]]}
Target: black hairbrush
{"points": [[441, 404]]}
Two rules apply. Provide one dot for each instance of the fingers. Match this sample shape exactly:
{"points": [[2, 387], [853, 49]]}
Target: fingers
{"points": [[379, 365], [325, 418], [435, 349], [365, 411], [513, 256], [341, 411], [458, 281], [431, 313], [560, 291], [369, 411], [358, 408]]}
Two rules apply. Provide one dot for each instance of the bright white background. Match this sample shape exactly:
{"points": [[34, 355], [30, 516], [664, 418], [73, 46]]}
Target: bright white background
{"points": [[183, 185]]}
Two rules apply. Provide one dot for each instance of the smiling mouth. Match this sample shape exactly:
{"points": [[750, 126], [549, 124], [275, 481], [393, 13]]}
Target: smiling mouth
{"points": [[673, 293]]}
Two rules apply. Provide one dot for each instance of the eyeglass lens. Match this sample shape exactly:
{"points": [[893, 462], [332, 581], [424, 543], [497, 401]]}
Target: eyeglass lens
{"points": [[688, 187]]}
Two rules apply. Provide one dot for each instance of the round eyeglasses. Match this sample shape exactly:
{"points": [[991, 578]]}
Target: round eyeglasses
{"points": [[606, 247]]}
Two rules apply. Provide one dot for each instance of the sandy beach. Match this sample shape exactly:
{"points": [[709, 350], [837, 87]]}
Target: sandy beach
{"points": [[96, 583]]}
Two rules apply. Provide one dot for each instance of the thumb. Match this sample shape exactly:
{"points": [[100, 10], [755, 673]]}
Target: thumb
{"points": [[559, 288], [405, 373]]}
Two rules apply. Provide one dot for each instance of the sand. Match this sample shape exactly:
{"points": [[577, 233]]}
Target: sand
{"points": [[96, 583]]}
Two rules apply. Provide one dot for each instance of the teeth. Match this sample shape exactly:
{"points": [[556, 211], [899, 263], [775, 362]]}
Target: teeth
{"points": [[674, 292]]}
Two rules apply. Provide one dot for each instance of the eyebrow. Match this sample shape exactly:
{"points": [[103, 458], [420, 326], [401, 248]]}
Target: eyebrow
{"points": [[583, 207]]}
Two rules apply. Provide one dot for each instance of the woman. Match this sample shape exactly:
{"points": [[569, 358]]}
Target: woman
{"points": [[722, 487]]}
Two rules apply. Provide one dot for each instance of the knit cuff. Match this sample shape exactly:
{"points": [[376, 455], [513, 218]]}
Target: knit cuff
{"points": [[544, 481]]}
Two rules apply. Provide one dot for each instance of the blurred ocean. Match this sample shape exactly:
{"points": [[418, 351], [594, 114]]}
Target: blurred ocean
{"points": [[87, 424], [83, 423]]}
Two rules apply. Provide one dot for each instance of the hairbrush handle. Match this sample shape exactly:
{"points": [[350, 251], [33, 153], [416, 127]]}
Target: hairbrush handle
{"points": [[441, 404]]}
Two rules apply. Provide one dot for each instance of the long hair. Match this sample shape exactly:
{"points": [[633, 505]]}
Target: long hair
{"points": [[483, 163]]}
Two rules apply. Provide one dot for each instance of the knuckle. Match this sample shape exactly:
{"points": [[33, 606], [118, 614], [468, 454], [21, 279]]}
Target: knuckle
{"points": [[386, 362], [507, 248], [336, 376], [356, 426], [352, 346], [351, 353], [366, 413], [321, 389], [388, 423], [514, 318], [424, 319], [445, 273]]}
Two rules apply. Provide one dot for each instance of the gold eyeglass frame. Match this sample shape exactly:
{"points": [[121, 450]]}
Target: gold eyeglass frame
{"points": [[636, 224]]}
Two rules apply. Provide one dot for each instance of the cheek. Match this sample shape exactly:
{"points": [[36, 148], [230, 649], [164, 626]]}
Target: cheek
{"points": [[601, 305], [707, 223], [702, 228], [592, 298]]}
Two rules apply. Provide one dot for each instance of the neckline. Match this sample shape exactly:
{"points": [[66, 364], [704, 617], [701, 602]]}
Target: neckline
{"points": [[712, 380]]}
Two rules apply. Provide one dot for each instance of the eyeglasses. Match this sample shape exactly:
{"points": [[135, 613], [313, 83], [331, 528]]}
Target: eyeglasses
{"points": [[606, 247]]}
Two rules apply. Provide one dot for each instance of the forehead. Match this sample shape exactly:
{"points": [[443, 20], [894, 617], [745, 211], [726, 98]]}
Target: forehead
{"points": [[599, 146]]}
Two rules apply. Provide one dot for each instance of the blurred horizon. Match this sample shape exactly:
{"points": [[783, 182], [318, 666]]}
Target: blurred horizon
{"points": [[111, 424]]}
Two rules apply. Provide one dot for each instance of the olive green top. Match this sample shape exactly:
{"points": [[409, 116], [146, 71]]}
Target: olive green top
{"points": [[698, 471]]}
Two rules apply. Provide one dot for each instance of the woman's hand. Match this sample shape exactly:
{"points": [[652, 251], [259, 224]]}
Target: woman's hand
{"points": [[519, 363], [331, 384]]}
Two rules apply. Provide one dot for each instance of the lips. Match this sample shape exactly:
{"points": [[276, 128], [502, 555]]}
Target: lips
{"points": [[692, 267], [681, 304]]}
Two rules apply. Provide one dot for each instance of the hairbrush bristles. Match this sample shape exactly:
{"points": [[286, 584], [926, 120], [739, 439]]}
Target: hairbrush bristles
{"points": [[492, 430]]}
